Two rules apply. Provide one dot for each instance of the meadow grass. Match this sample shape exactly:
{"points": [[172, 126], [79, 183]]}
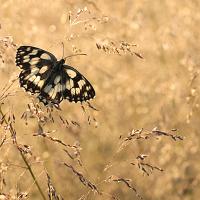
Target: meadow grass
{"points": [[139, 138]]}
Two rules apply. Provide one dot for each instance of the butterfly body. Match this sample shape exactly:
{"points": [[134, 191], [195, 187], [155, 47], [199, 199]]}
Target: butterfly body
{"points": [[58, 65], [51, 79]]}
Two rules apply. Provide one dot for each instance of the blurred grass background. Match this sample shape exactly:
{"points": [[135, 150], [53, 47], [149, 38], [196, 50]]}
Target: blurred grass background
{"points": [[161, 90]]}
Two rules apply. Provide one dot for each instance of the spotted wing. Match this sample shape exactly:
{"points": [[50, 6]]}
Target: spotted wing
{"points": [[36, 65], [69, 84]]}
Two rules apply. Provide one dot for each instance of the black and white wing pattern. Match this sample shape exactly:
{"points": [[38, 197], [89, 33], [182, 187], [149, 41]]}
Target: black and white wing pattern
{"points": [[67, 83], [52, 80], [36, 65]]}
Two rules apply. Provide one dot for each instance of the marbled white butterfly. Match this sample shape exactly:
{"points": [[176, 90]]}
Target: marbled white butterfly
{"points": [[51, 79]]}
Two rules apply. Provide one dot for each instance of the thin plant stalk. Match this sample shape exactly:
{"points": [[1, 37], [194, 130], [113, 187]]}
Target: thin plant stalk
{"points": [[24, 158]]}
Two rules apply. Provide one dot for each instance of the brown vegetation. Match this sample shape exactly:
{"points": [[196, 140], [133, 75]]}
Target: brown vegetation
{"points": [[139, 138]]}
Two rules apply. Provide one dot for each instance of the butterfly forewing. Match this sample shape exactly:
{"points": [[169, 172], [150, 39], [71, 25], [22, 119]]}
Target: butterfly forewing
{"points": [[42, 73], [36, 65], [28, 57]]}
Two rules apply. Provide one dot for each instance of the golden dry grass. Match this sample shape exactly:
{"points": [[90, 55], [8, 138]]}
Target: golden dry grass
{"points": [[101, 154]]}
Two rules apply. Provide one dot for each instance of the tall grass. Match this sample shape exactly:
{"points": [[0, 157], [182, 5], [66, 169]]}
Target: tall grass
{"points": [[139, 138]]}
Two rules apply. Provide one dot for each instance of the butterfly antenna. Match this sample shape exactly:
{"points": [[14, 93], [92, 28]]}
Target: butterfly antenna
{"points": [[78, 54], [63, 49]]}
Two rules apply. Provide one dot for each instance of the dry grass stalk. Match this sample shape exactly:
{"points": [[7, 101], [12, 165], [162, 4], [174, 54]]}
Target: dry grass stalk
{"points": [[5, 93], [35, 110], [125, 181], [83, 179], [75, 147], [86, 29], [192, 98], [86, 17], [119, 48], [44, 134], [145, 135], [76, 155], [52, 194], [23, 150], [2, 141], [5, 43], [145, 167]]}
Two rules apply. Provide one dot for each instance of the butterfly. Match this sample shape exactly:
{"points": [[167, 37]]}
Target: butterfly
{"points": [[50, 78]]}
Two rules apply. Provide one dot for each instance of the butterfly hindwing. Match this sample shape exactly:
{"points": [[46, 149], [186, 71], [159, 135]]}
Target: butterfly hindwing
{"points": [[51, 93], [77, 87], [33, 79], [51, 79], [69, 84]]}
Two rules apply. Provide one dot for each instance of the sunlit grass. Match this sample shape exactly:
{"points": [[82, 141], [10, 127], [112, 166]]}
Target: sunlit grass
{"points": [[139, 138]]}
